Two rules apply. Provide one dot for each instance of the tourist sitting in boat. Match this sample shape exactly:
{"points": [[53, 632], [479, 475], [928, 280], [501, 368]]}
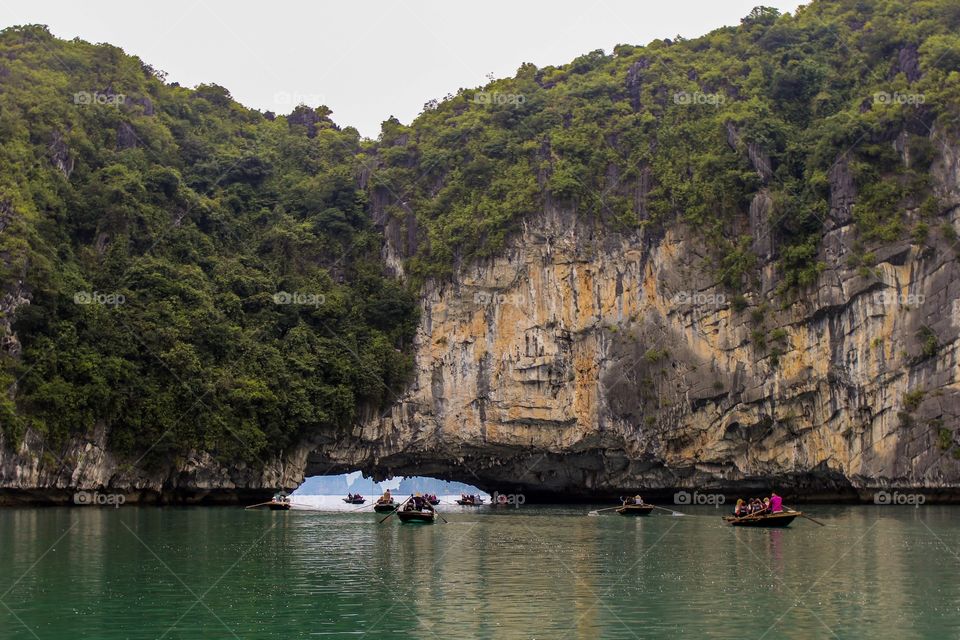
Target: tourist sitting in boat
{"points": [[776, 503], [417, 503], [634, 500], [741, 508]]}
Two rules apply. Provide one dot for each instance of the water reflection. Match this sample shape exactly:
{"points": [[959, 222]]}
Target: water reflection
{"points": [[533, 572]]}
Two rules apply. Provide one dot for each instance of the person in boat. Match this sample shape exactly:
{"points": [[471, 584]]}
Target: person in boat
{"points": [[386, 498], [741, 508], [766, 505], [776, 503]]}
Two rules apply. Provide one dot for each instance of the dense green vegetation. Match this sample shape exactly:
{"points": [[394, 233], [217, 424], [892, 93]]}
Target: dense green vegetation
{"points": [[180, 215], [836, 81], [194, 222]]}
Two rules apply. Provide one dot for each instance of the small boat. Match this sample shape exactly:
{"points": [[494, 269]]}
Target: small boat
{"points": [[778, 519], [470, 501], [635, 509], [422, 516], [279, 502], [432, 499], [385, 507], [354, 499]]}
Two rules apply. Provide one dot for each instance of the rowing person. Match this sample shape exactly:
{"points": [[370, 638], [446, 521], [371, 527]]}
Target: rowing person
{"points": [[776, 503]]}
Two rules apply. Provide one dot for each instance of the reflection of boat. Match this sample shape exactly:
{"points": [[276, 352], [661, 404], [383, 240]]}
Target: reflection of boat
{"points": [[470, 501], [635, 509], [354, 499], [280, 502], [424, 516], [779, 519], [384, 507]]}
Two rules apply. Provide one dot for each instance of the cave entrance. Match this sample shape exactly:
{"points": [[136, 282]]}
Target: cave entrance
{"points": [[329, 491]]}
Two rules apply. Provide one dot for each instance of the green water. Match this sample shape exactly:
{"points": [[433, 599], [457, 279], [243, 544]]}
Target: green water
{"points": [[534, 572]]}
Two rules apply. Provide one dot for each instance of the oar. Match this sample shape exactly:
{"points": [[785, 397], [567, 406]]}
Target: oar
{"points": [[596, 512], [395, 510], [806, 516], [441, 516], [676, 513], [254, 506]]}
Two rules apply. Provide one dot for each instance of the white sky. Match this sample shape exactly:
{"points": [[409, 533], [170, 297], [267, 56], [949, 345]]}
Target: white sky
{"points": [[367, 60]]}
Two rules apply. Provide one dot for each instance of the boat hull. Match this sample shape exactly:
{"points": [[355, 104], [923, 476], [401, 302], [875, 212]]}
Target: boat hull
{"points": [[464, 503], [354, 501], [635, 509], [417, 517], [384, 508], [779, 520], [279, 507]]}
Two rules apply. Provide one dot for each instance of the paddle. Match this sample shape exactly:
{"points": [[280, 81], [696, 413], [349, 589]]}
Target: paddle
{"points": [[395, 510], [806, 516], [676, 513], [596, 512], [363, 506], [254, 506]]}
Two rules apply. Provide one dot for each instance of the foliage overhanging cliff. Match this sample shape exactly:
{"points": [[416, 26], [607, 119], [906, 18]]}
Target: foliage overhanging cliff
{"points": [[146, 230], [763, 138]]}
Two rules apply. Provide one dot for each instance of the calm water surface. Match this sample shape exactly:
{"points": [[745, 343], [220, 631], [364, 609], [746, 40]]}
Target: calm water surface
{"points": [[533, 572]]}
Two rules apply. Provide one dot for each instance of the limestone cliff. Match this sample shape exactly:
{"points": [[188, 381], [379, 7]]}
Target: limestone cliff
{"points": [[584, 361]]}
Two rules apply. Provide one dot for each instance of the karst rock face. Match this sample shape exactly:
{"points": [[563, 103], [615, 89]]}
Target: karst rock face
{"points": [[583, 361]]}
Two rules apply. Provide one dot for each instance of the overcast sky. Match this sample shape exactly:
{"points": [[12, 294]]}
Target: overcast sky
{"points": [[367, 60]]}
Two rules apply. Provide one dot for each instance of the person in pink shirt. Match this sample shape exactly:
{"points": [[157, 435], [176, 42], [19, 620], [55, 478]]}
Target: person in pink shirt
{"points": [[776, 503]]}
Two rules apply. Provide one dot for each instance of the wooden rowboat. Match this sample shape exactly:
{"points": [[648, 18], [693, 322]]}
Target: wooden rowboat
{"points": [[422, 517], [635, 509], [779, 519], [355, 500], [385, 507], [473, 502], [277, 505]]}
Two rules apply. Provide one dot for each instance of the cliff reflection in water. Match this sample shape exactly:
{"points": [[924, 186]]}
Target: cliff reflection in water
{"points": [[878, 572]]}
